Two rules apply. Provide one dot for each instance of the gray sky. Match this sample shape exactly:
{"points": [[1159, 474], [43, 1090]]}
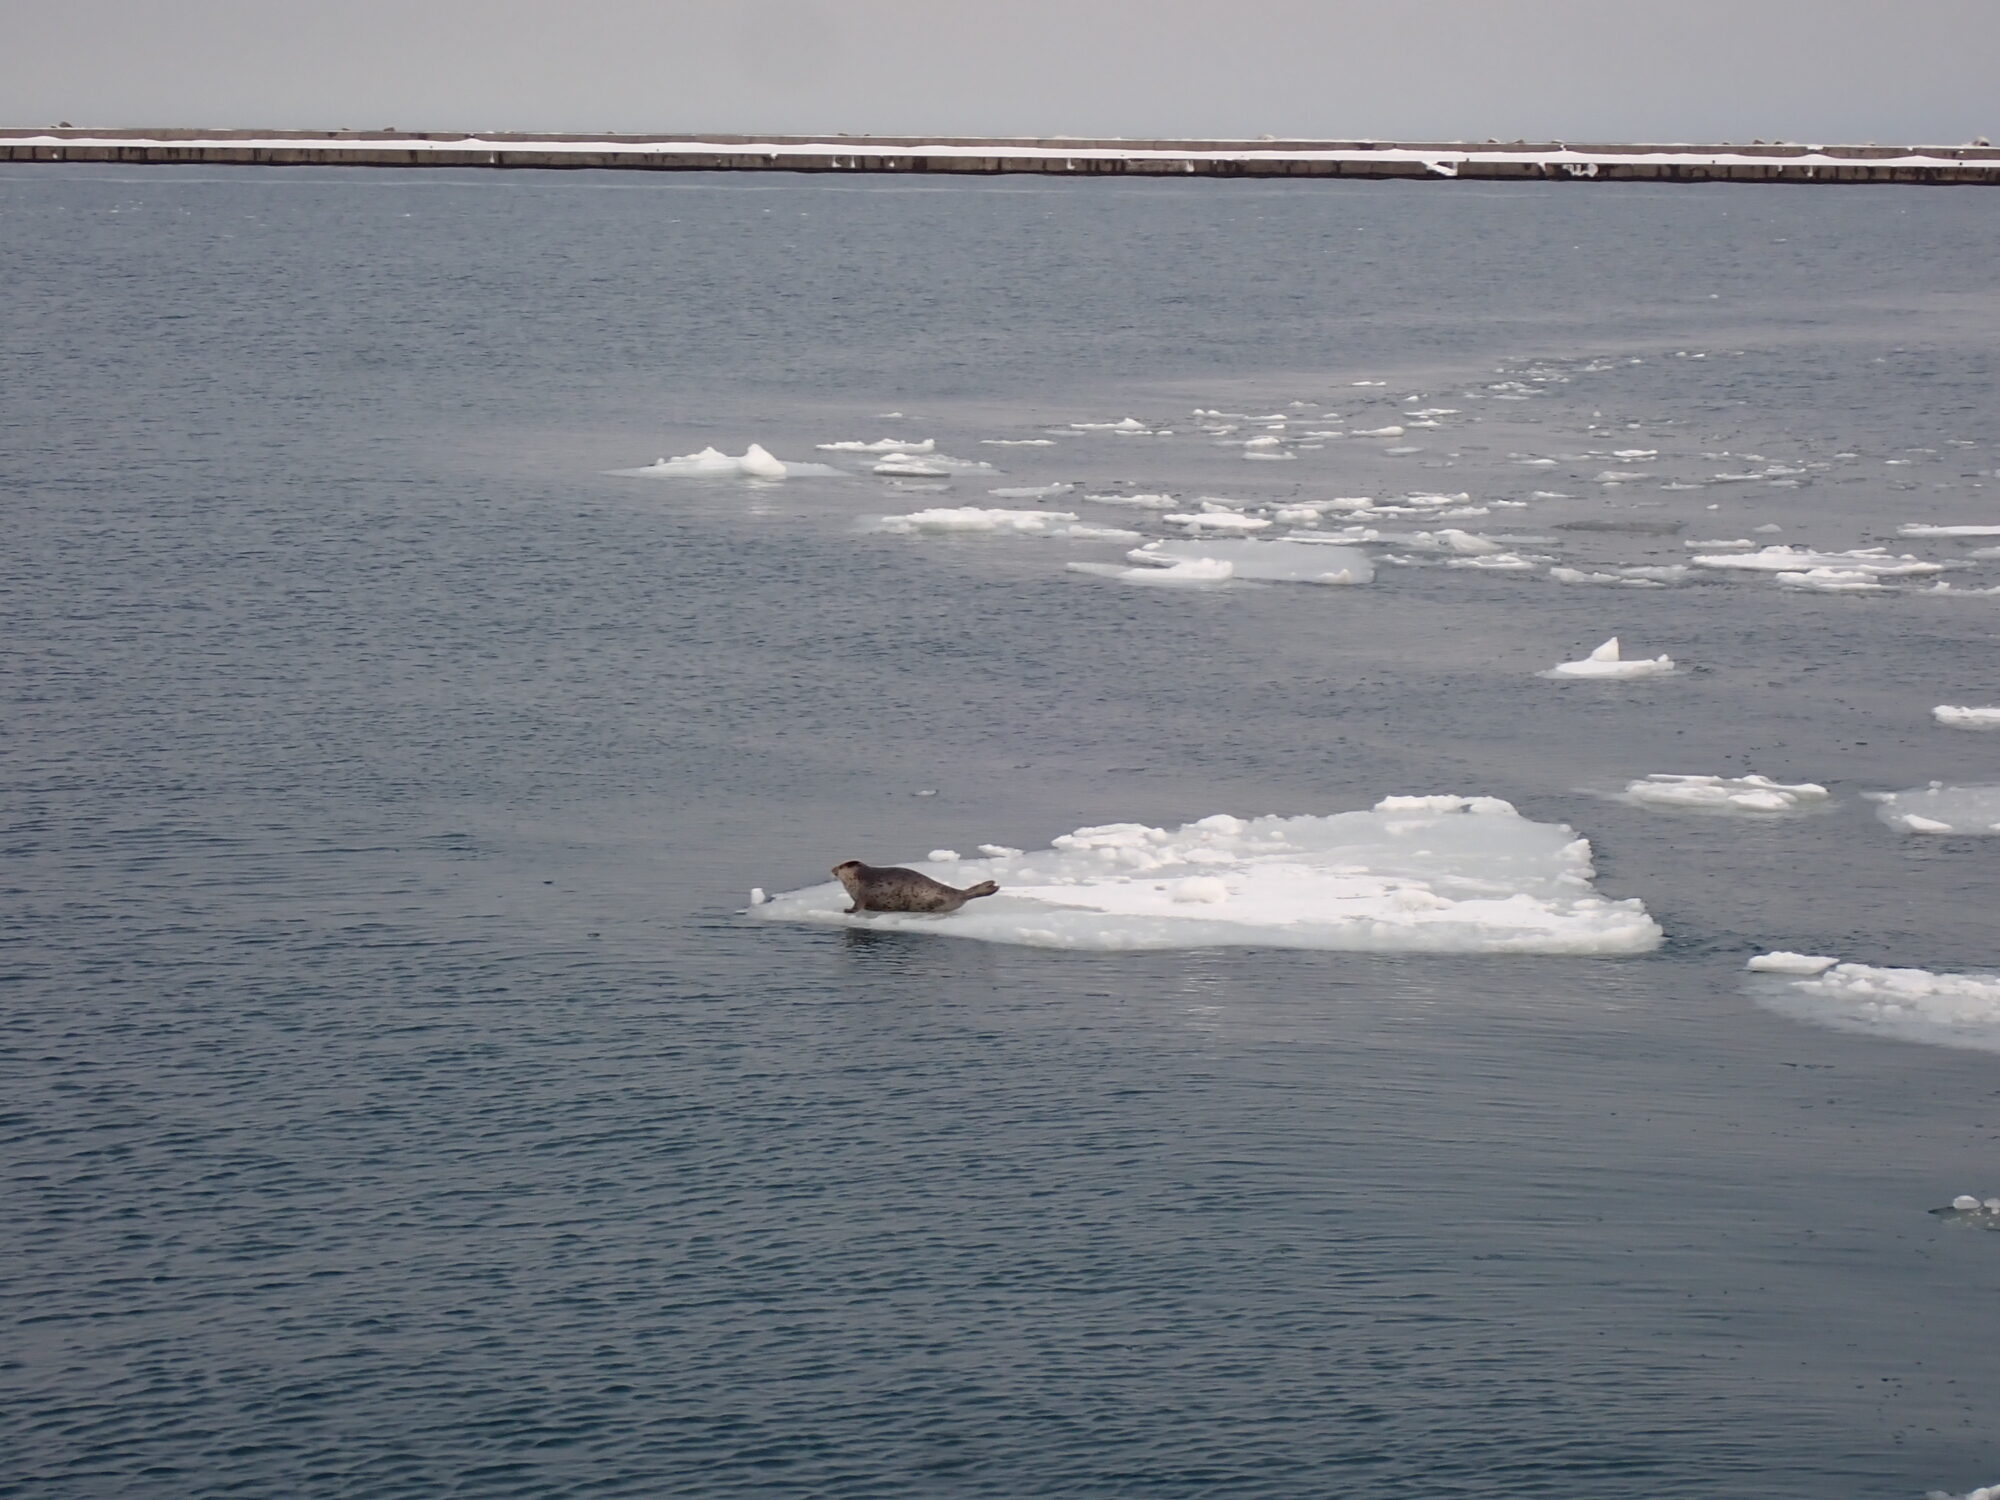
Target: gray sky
{"points": [[1911, 71]]}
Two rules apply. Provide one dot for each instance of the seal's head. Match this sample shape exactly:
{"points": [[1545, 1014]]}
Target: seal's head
{"points": [[848, 872]]}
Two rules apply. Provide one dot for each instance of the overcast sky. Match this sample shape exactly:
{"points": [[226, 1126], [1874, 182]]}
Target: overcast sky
{"points": [[1910, 71]]}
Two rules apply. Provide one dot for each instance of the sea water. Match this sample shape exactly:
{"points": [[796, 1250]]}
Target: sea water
{"points": [[404, 1099]]}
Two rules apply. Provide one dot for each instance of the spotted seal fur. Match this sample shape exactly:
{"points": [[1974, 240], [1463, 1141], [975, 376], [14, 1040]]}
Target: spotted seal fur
{"points": [[892, 888]]}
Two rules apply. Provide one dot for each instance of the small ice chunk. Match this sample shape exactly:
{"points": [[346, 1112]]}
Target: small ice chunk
{"points": [[1287, 561], [998, 851], [916, 468], [1127, 424], [1967, 718], [1606, 661], [1377, 432], [1938, 808], [1033, 492], [1830, 581], [757, 896], [1138, 502], [1225, 520], [1786, 962], [880, 445], [1918, 1005], [755, 462], [1966, 1203], [1783, 559], [1917, 529], [1732, 794], [943, 856], [973, 520]]}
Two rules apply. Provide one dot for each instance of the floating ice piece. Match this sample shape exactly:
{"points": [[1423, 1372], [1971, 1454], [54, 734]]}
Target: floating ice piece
{"points": [[1141, 502], [1218, 520], [1377, 432], [1191, 572], [1033, 492], [1721, 542], [1636, 577], [1726, 794], [1830, 581], [1498, 562], [998, 851], [1785, 962], [972, 520], [943, 856], [1938, 808], [933, 463], [1267, 441], [1273, 455], [1967, 718], [1018, 442], [1620, 476], [1917, 529], [1917, 1005], [1969, 1212], [755, 462], [1606, 662], [1285, 561], [1128, 424], [1412, 874], [880, 445], [915, 468], [1783, 559]]}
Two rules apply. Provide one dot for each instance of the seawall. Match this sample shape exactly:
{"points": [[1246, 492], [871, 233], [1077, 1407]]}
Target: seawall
{"points": [[1490, 161]]}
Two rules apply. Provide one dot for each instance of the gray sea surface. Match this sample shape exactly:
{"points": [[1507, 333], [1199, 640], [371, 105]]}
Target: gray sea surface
{"points": [[398, 1102]]}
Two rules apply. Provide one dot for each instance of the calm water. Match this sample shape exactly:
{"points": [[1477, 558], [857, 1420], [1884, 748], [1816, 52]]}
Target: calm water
{"points": [[396, 1104]]}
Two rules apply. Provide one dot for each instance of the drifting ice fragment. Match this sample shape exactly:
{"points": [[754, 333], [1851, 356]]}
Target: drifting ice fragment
{"points": [[972, 520], [711, 463], [1278, 562], [1938, 808], [880, 445], [1917, 1005], [1411, 875], [1606, 662], [1739, 794], [1782, 559], [1967, 718]]}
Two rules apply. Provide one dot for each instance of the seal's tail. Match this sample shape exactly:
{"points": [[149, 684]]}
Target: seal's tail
{"points": [[984, 888]]}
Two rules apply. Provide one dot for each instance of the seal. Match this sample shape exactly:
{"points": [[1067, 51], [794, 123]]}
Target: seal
{"points": [[893, 888]]}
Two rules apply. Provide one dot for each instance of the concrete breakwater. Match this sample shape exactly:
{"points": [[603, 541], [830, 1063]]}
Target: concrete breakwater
{"points": [[1482, 161]]}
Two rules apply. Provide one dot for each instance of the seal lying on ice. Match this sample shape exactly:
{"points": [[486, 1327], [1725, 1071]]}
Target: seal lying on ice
{"points": [[896, 889]]}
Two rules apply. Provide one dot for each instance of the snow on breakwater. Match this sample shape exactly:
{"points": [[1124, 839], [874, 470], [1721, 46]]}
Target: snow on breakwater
{"points": [[1443, 874], [1917, 1005]]}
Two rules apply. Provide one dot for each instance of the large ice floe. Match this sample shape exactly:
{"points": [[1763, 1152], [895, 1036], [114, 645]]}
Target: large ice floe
{"points": [[756, 462], [1966, 718], [1938, 808], [1606, 661], [1410, 875], [1753, 794], [1917, 1005], [973, 520]]}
